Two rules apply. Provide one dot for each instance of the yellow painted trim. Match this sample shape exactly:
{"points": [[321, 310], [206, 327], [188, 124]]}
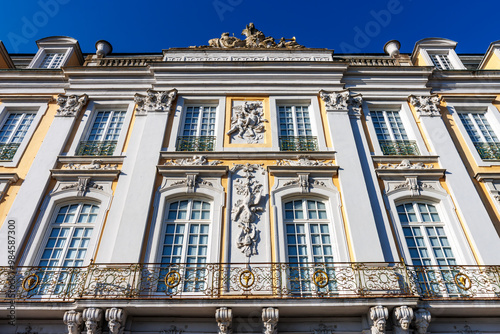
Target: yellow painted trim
{"points": [[420, 128], [274, 251], [352, 258], [324, 121], [267, 125], [129, 131]]}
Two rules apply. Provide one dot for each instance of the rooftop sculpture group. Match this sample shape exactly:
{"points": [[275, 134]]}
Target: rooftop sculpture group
{"points": [[254, 38]]}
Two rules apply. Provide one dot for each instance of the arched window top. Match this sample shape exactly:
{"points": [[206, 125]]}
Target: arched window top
{"points": [[80, 213], [417, 212], [188, 209], [305, 209]]}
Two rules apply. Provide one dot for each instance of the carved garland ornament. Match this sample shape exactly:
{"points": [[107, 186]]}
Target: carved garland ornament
{"points": [[406, 164], [82, 186], [70, 106], [426, 105], [155, 100], [414, 185], [248, 122], [343, 100], [196, 160], [96, 164], [304, 161]]}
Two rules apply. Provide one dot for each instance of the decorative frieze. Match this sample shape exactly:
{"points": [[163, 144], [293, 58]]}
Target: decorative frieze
{"points": [[116, 320], [247, 122], [196, 160], [270, 317], [96, 164], [70, 105], [342, 101], [402, 317], [224, 318], [304, 181], [82, 186], [422, 320], [414, 185], [74, 321], [378, 316], [93, 320], [155, 101], [304, 161], [406, 164], [426, 105]]}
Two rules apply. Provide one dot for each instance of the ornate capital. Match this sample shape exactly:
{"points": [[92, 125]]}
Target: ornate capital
{"points": [[342, 101], [116, 320], [422, 320], [426, 105], [93, 319], [224, 318], [70, 106], [74, 321], [270, 317], [402, 316], [155, 101], [378, 317]]}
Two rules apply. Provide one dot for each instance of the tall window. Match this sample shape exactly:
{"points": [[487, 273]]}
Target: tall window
{"points": [[67, 245], [429, 247], [441, 61], [482, 135], [185, 243], [295, 129], [309, 245], [52, 60], [104, 134], [12, 133], [198, 131], [391, 134]]}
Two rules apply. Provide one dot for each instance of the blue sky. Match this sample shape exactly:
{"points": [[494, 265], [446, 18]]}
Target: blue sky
{"points": [[346, 26]]}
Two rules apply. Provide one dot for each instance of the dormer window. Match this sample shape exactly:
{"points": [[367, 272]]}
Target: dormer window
{"points": [[441, 61], [57, 52], [52, 60], [437, 52]]}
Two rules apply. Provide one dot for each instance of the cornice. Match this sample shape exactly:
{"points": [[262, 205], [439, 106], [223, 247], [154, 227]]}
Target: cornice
{"points": [[423, 174], [203, 170], [249, 155], [94, 174], [88, 159]]}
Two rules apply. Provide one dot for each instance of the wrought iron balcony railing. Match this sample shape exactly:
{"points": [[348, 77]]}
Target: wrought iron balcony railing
{"points": [[96, 147], [262, 280], [195, 143], [399, 147], [7, 151], [298, 143], [488, 151]]}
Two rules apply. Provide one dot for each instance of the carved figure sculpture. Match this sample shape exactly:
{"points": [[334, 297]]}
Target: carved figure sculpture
{"points": [[422, 320], [426, 105], [342, 100], [74, 321], [155, 101], [248, 121], [116, 320], [93, 318], [70, 105], [378, 317], [224, 317], [270, 317], [402, 317]]}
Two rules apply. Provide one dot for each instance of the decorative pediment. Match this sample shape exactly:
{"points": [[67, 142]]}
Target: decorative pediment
{"points": [[84, 180], [412, 177], [191, 177], [304, 176], [155, 100], [426, 105], [342, 101], [70, 105], [254, 39]]}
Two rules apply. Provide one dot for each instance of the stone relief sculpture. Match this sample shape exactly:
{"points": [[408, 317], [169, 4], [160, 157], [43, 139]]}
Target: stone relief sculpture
{"points": [[74, 321], [254, 38], [82, 186], [116, 320], [406, 164], [155, 101], [93, 318], [96, 164], [422, 320], [426, 105], [378, 317], [246, 209], [224, 318], [248, 122], [304, 161], [270, 317], [70, 106], [196, 160], [402, 317], [342, 100]]}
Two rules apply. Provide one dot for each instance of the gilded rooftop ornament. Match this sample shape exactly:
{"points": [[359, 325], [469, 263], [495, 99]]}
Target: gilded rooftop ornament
{"points": [[254, 39]]}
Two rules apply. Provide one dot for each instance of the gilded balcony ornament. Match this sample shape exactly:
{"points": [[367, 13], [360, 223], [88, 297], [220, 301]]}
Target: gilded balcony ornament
{"points": [[70, 106], [30, 282], [426, 105], [172, 279], [402, 317], [378, 317], [341, 101], [248, 122], [247, 279], [422, 320], [270, 317], [463, 281], [116, 320], [254, 39], [155, 100], [74, 321], [321, 278], [93, 320], [224, 318]]}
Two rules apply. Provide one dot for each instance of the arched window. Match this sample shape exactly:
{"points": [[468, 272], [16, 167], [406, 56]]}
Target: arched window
{"points": [[185, 242]]}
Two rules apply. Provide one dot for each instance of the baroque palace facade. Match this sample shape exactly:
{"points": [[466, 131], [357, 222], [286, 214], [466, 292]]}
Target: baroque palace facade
{"points": [[251, 185]]}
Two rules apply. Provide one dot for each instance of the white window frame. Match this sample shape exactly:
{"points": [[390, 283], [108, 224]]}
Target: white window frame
{"points": [[453, 58], [314, 115], [37, 61], [492, 115], [193, 101], [89, 116], [407, 119], [39, 109]]}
